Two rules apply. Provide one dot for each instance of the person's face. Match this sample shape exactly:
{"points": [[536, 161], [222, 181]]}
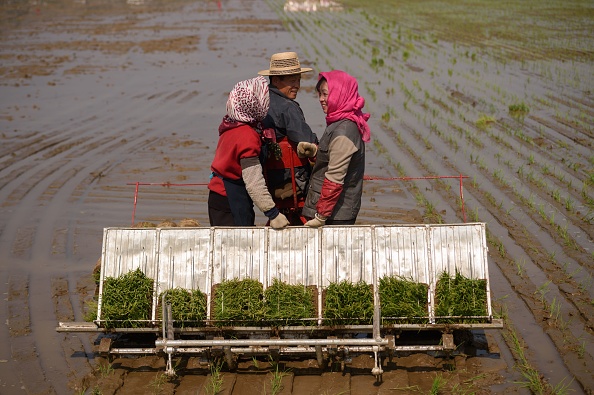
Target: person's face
{"points": [[289, 85], [323, 96]]}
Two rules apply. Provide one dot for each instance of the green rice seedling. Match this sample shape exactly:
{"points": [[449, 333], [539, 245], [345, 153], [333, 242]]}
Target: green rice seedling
{"points": [[437, 385], [215, 381], [564, 234], [531, 376], [546, 170], [288, 304], [127, 300], [555, 309], [459, 296], [531, 160], [518, 110], [569, 204], [239, 302], [403, 300], [276, 380], [497, 243], [543, 290], [105, 369], [531, 201], [582, 350], [542, 212], [255, 362], [562, 387], [187, 307], [498, 175], [474, 215], [484, 121], [157, 383], [520, 268], [348, 303], [90, 310]]}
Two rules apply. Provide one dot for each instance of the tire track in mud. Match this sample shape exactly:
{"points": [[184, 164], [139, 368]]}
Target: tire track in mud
{"points": [[22, 347], [57, 173], [58, 185], [433, 162], [44, 170]]}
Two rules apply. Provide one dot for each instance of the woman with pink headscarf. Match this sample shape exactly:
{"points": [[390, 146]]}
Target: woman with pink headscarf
{"points": [[336, 184], [237, 182]]}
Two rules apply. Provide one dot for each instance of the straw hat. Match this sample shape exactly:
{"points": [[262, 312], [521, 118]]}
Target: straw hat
{"points": [[284, 63]]}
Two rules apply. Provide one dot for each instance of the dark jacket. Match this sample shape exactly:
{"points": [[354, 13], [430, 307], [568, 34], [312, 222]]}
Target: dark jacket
{"points": [[286, 118]]}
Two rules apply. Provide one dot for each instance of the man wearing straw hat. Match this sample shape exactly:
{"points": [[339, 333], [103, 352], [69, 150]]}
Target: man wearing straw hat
{"points": [[286, 119]]}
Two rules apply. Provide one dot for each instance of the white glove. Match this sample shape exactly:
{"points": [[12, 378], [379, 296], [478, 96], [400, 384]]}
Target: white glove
{"points": [[279, 222], [316, 222], [306, 150]]}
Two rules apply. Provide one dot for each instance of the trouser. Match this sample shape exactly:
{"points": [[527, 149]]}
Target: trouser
{"points": [[235, 209]]}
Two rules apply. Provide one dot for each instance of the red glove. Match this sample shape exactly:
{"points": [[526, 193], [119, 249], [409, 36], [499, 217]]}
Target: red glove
{"points": [[330, 193]]}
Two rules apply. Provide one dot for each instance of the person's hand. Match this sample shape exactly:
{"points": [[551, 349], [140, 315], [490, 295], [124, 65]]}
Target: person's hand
{"points": [[316, 222], [306, 150], [279, 222]]}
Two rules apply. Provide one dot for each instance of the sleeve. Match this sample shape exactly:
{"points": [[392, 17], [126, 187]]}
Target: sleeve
{"points": [[251, 171], [296, 128], [340, 152], [250, 145]]}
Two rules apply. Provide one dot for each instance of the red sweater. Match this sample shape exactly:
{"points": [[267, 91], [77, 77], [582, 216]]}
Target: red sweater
{"points": [[235, 143]]}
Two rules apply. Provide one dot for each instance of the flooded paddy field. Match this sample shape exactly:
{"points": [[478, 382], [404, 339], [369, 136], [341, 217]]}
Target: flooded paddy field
{"points": [[100, 95]]}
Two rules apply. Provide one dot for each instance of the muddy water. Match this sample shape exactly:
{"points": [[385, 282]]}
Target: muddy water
{"points": [[97, 96]]}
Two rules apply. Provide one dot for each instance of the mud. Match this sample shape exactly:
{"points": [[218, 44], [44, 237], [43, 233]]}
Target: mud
{"points": [[97, 96]]}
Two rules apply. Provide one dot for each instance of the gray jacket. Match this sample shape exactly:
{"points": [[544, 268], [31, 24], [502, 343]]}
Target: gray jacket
{"points": [[350, 172]]}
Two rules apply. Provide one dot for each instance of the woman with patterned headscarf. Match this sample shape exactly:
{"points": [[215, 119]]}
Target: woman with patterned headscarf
{"points": [[336, 184], [237, 182]]}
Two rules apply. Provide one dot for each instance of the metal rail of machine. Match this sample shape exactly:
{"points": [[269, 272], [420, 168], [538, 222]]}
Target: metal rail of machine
{"points": [[200, 258]]}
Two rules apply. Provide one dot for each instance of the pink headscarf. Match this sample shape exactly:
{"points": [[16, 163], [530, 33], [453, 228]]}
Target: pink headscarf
{"points": [[249, 101], [344, 101]]}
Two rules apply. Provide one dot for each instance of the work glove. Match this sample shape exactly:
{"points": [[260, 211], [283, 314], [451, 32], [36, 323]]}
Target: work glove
{"points": [[306, 150], [284, 192], [316, 222], [279, 222]]}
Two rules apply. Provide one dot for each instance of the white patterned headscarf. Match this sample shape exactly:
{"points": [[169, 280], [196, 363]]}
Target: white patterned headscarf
{"points": [[249, 100]]}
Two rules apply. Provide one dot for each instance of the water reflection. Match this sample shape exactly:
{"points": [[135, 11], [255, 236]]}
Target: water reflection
{"points": [[312, 5]]}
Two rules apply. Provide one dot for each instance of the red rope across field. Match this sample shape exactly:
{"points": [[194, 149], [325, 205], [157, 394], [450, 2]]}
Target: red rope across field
{"points": [[366, 178]]}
